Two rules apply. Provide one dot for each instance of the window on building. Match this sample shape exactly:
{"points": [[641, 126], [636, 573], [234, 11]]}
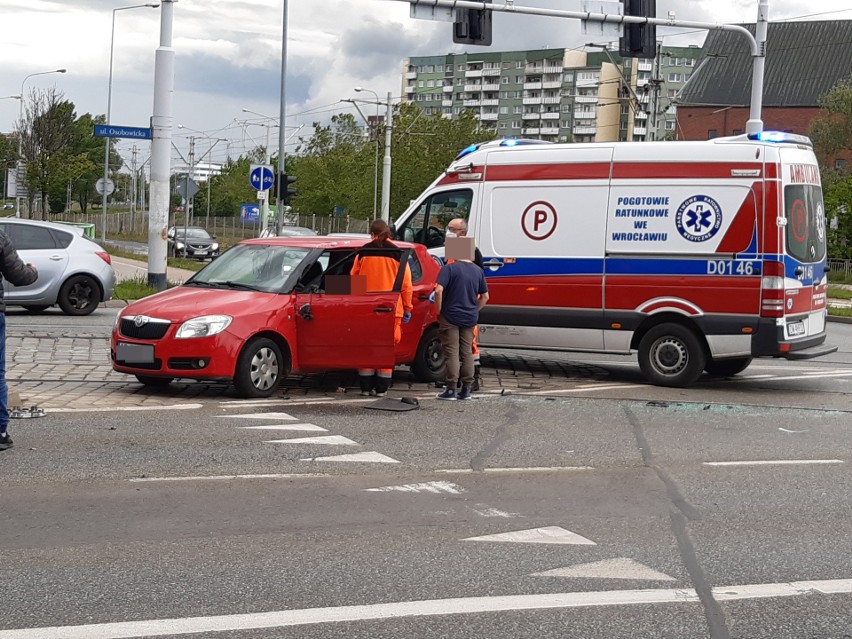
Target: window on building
{"points": [[568, 77], [690, 62], [516, 124], [674, 77], [672, 93], [503, 110], [519, 64], [430, 83], [712, 133], [420, 83], [439, 68], [670, 125], [517, 109], [504, 79], [460, 67], [519, 79]]}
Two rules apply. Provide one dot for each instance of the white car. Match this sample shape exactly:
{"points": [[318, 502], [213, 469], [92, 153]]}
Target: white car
{"points": [[73, 271]]}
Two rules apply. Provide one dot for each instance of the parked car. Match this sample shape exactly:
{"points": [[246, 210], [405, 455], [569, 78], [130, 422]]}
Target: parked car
{"points": [[192, 242], [289, 231], [271, 306], [73, 271], [8, 206]]}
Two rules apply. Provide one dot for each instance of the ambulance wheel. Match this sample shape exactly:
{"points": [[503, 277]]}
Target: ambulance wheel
{"points": [[727, 367], [429, 364], [671, 355], [260, 367]]}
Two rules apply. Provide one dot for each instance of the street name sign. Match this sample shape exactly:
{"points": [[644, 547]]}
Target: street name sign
{"points": [[113, 131]]}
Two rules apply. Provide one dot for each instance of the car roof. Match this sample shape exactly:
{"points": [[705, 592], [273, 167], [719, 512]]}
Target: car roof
{"points": [[318, 241], [59, 226]]}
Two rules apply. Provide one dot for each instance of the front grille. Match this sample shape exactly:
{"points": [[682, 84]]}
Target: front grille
{"points": [[152, 329]]}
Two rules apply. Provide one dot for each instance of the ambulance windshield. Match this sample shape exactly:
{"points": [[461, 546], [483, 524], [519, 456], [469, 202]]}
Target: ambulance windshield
{"points": [[806, 240]]}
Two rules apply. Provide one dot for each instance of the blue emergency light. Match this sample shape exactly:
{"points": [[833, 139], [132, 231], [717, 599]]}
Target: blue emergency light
{"points": [[779, 137]]}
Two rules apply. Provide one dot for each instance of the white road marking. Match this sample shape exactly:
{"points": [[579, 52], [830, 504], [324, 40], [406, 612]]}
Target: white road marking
{"points": [[428, 487], [580, 389], [332, 440], [423, 608], [621, 568], [817, 375], [109, 409], [787, 430], [494, 512], [299, 427], [227, 477], [371, 457], [776, 462], [283, 416], [546, 535], [532, 469]]}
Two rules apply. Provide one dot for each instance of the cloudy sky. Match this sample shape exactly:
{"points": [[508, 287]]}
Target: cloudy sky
{"points": [[228, 54]]}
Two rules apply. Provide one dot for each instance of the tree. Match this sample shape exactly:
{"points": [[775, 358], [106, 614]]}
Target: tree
{"points": [[47, 132]]}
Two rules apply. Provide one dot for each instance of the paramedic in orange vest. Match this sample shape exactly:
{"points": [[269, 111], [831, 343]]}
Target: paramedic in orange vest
{"points": [[458, 228], [381, 274]]}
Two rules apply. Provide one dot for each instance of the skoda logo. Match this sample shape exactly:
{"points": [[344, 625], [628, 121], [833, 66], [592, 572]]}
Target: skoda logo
{"points": [[140, 320]]}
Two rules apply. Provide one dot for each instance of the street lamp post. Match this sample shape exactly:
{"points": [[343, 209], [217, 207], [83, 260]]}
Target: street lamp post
{"points": [[105, 194], [21, 136], [376, 163]]}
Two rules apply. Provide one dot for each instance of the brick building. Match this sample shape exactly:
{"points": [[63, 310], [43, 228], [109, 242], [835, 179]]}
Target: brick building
{"points": [[804, 60]]}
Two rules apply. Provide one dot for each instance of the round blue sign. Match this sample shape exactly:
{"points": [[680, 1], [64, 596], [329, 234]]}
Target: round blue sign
{"points": [[699, 218]]}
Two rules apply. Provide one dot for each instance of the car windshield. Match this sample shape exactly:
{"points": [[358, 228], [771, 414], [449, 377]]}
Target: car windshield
{"points": [[196, 234], [258, 267]]}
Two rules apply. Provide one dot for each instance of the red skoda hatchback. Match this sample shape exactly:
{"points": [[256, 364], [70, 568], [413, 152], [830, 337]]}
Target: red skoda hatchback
{"points": [[268, 307]]}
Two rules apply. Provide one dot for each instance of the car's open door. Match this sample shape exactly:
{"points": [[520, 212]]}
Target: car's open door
{"points": [[340, 327]]}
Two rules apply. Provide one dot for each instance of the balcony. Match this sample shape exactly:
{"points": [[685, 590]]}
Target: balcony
{"points": [[471, 103], [641, 82], [551, 115], [489, 102], [532, 86], [533, 131], [473, 73], [640, 130], [586, 99], [448, 88], [473, 88], [550, 130], [488, 117], [552, 84], [534, 69], [532, 116], [490, 72], [536, 100], [585, 115], [587, 83], [446, 103], [644, 65], [584, 130], [490, 87], [411, 75], [409, 89], [641, 115], [551, 100]]}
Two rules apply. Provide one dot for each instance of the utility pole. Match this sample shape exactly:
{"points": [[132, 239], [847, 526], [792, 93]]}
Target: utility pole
{"points": [[187, 201], [654, 100], [161, 142], [282, 138], [386, 164], [133, 189]]}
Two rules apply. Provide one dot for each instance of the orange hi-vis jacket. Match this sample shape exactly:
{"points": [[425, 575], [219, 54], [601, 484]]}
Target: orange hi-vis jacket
{"points": [[381, 275]]}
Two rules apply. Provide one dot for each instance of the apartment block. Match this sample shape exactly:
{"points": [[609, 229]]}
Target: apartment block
{"points": [[559, 95]]}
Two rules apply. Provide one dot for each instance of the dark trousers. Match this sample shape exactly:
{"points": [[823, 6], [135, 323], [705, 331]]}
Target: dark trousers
{"points": [[4, 389], [456, 343]]}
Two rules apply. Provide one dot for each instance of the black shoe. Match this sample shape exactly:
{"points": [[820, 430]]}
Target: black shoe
{"points": [[5, 441], [465, 393]]}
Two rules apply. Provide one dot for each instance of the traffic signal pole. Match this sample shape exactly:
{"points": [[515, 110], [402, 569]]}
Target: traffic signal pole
{"points": [[757, 42], [282, 138]]}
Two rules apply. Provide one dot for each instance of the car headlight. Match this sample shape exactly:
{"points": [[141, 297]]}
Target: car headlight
{"points": [[179, 245], [214, 246], [203, 326]]}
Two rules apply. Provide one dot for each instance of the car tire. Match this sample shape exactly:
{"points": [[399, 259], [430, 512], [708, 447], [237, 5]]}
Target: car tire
{"points": [[429, 364], [36, 308], [157, 382], [727, 367], [260, 368], [79, 295], [671, 355]]}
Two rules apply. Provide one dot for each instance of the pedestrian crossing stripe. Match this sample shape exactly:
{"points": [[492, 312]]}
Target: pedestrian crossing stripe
{"points": [[334, 440], [297, 427], [276, 416], [427, 487], [370, 457]]}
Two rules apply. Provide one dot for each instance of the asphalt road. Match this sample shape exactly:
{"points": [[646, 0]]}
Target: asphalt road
{"points": [[620, 510]]}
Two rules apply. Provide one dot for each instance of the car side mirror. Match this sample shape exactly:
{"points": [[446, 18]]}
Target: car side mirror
{"points": [[305, 311]]}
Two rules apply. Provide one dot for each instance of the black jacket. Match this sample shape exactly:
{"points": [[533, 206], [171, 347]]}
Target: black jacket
{"points": [[12, 267]]}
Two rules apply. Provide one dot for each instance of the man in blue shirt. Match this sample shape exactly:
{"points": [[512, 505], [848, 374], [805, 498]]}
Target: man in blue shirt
{"points": [[460, 294]]}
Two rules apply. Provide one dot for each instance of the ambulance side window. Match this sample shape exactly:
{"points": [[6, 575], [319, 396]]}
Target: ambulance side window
{"points": [[428, 224]]}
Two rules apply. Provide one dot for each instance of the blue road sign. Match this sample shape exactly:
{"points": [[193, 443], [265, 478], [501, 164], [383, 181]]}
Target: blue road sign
{"points": [[261, 177], [249, 212], [112, 131]]}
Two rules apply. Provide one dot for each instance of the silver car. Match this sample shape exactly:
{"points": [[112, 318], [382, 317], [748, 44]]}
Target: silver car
{"points": [[73, 271]]}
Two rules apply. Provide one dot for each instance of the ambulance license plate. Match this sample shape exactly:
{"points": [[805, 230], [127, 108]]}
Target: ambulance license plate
{"points": [[134, 353], [795, 328]]}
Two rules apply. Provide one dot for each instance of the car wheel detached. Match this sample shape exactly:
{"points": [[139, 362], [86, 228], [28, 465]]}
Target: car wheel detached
{"points": [[727, 367], [79, 295], [429, 364], [259, 368], [671, 355]]}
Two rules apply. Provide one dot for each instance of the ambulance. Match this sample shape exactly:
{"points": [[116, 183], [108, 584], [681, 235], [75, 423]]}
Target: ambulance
{"points": [[697, 256]]}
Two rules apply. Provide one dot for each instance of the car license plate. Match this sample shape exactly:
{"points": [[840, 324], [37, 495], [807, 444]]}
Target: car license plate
{"points": [[201, 252], [795, 328], [134, 353]]}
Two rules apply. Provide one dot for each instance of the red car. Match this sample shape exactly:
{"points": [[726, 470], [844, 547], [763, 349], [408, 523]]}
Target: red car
{"points": [[268, 307]]}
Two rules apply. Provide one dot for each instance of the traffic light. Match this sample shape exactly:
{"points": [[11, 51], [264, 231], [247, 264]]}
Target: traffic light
{"points": [[287, 192], [639, 40], [473, 26]]}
